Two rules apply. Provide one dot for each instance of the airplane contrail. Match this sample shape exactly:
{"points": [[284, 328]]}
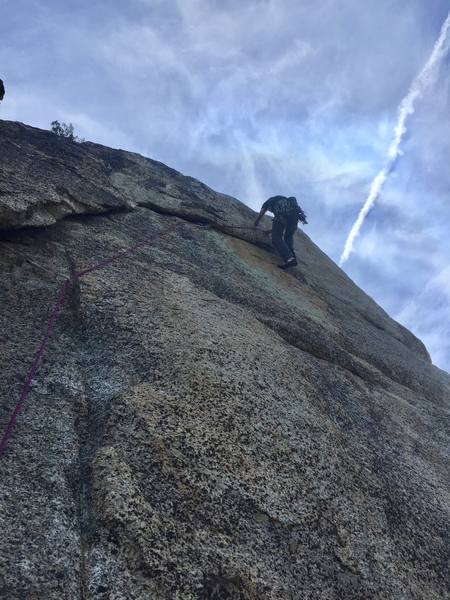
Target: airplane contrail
{"points": [[406, 107]]}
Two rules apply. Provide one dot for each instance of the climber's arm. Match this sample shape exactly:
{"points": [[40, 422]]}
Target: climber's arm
{"points": [[262, 212]]}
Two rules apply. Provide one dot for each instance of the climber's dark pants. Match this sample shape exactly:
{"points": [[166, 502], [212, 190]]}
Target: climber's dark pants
{"points": [[282, 237]]}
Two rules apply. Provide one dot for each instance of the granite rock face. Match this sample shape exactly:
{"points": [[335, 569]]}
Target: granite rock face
{"points": [[202, 425]]}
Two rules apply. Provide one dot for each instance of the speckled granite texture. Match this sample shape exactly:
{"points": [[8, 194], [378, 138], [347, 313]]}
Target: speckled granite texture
{"points": [[202, 425]]}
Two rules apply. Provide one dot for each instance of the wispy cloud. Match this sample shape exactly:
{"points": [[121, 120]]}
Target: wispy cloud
{"points": [[256, 98], [405, 109]]}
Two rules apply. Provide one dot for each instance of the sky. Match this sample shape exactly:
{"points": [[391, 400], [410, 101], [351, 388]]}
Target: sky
{"points": [[302, 98]]}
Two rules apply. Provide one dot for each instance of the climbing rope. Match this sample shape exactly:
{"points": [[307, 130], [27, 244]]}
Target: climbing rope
{"points": [[60, 298], [56, 310]]}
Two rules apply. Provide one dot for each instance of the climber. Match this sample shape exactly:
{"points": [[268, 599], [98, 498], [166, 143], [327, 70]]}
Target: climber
{"points": [[287, 213], [2, 90]]}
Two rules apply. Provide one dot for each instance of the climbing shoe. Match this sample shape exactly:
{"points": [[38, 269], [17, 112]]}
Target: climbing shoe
{"points": [[291, 262]]}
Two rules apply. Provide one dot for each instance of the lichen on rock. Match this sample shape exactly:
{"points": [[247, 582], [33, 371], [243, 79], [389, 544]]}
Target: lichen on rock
{"points": [[202, 425]]}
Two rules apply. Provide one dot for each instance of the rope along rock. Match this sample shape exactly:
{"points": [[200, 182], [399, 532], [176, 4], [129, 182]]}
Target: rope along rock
{"points": [[55, 312]]}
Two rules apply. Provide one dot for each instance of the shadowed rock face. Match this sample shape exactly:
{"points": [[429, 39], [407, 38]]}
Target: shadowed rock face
{"points": [[202, 425]]}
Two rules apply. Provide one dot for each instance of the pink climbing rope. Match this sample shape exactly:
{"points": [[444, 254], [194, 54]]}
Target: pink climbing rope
{"points": [[33, 368], [53, 317]]}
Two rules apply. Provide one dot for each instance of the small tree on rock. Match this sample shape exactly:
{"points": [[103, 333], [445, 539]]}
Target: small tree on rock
{"points": [[65, 131]]}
